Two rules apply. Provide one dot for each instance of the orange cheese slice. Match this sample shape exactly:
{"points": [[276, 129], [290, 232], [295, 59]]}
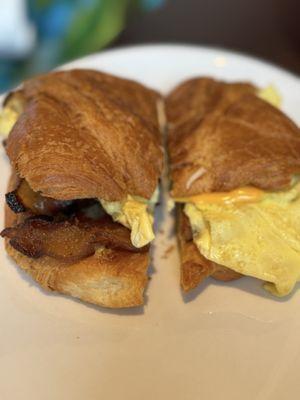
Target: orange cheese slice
{"points": [[245, 194]]}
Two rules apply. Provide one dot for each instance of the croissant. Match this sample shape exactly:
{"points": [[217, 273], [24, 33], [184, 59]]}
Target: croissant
{"points": [[86, 158]]}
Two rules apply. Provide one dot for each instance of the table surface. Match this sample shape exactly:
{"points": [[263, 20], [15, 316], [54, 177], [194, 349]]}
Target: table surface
{"points": [[268, 29]]}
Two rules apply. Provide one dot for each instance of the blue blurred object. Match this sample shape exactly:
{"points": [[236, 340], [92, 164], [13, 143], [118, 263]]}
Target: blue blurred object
{"points": [[67, 29], [6, 73], [52, 21], [150, 4]]}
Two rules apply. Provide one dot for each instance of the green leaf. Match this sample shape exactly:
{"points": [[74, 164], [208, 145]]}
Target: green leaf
{"points": [[95, 27], [40, 3]]}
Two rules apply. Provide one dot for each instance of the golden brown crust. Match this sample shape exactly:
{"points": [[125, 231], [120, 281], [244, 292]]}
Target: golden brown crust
{"points": [[110, 278], [194, 266], [85, 134], [222, 136]]}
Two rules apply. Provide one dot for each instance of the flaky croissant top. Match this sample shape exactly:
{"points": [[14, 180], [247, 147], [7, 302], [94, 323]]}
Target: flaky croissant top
{"points": [[223, 136], [85, 134]]}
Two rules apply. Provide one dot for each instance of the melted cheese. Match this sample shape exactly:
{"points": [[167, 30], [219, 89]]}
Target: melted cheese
{"points": [[136, 214], [245, 194], [259, 239]]}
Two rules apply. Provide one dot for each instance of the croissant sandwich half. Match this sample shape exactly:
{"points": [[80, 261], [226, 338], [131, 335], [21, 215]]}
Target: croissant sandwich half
{"points": [[235, 164], [86, 157]]}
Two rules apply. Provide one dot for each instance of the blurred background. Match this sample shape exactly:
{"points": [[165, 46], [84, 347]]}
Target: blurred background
{"points": [[38, 35]]}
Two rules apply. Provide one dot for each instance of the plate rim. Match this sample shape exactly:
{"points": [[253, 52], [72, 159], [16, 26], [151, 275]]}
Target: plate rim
{"points": [[241, 55]]}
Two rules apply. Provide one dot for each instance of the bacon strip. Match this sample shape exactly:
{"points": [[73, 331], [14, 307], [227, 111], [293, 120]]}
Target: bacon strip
{"points": [[23, 198], [70, 240]]}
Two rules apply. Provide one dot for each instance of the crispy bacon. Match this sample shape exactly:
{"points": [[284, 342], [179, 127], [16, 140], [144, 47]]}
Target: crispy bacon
{"points": [[70, 240], [23, 198]]}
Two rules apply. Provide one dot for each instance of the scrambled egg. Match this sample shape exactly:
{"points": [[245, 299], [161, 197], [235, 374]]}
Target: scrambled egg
{"points": [[271, 95], [135, 213], [259, 237], [10, 113], [8, 117]]}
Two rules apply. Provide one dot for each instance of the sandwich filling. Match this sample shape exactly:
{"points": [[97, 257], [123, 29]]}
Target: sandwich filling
{"points": [[257, 235], [65, 230], [9, 114], [135, 213], [251, 231]]}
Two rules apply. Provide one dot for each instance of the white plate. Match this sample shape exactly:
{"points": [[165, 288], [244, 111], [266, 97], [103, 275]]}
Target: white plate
{"points": [[226, 341]]}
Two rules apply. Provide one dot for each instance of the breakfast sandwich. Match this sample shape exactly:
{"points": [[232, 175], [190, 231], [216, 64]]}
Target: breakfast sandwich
{"points": [[234, 167], [86, 157]]}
